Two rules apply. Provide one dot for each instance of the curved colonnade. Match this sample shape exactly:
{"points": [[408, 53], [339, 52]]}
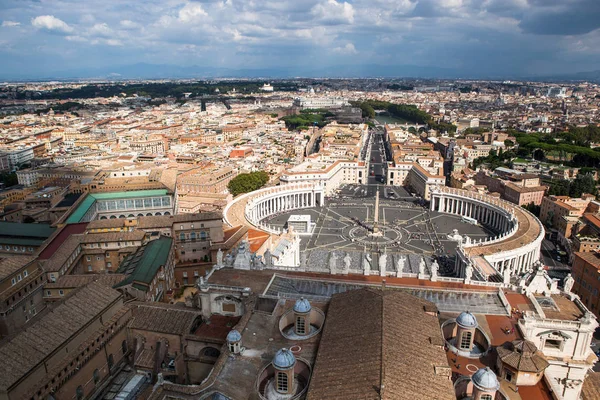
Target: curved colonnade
{"points": [[251, 208], [520, 234]]}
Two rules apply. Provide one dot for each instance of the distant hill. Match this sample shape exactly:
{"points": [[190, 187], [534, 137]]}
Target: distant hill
{"points": [[164, 71]]}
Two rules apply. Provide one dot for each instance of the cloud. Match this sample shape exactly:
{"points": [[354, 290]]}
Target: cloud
{"points": [[348, 49], [332, 12], [576, 17], [10, 24], [101, 30], [128, 24], [51, 23], [191, 12]]}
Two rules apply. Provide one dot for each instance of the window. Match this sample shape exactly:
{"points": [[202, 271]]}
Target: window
{"points": [[553, 344], [465, 341], [228, 307], [300, 328], [486, 397], [79, 392], [108, 265], [19, 278], [185, 274], [89, 268], [25, 273], [98, 258], [13, 281], [508, 375], [61, 292], [88, 258], [182, 236], [96, 376], [124, 347], [282, 382], [193, 235], [48, 293], [111, 361]]}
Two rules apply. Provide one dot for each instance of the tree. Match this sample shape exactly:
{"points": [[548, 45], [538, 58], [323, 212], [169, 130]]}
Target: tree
{"points": [[532, 208], [582, 184], [245, 183], [509, 143]]}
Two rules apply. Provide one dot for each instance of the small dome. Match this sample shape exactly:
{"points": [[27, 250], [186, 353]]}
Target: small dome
{"points": [[234, 336], [466, 320], [284, 359], [302, 306], [485, 379]]}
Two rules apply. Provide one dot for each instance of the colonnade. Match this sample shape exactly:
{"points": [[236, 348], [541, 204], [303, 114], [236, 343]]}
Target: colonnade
{"points": [[263, 207], [486, 214], [490, 255]]}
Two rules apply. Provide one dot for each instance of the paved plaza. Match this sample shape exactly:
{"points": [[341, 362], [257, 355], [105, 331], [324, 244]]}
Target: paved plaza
{"points": [[408, 227]]}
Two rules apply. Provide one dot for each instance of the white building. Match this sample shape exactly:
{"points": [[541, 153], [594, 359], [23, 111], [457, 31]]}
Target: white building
{"points": [[327, 174]]}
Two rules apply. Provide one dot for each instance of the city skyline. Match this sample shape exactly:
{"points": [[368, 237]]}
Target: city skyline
{"points": [[424, 38]]}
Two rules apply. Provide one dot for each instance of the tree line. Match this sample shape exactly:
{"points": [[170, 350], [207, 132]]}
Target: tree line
{"points": [[245, 183]]}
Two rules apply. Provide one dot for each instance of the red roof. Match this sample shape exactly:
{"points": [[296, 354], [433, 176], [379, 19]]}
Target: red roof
{"points": [[59, 239]]}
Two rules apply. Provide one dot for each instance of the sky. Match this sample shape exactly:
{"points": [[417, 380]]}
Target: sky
{"points": [[475, 37]]}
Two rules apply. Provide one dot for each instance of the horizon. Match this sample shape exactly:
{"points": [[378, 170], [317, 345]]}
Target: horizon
{"points": [[470, 39]]}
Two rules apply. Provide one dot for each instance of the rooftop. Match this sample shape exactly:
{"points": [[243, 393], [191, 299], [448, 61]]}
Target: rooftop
{"points": [[143, 265], [29, 231], [10, 265], [32, 346], [396, 335], [163, 318], [91, 198]]}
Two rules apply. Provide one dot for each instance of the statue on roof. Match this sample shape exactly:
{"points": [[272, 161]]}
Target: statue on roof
{"points": [[220, 258], [400, 266], [332, 260], [382, 263], [435, 267], [367, 264], [347, 262], [506, 275], [568, 283], [268, 257], [468, 272]]}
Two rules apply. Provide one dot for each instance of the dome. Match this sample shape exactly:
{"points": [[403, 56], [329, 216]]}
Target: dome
{"points": [[466, 320], [485, 379], [302, 306], [284, 359], [234, 336]]}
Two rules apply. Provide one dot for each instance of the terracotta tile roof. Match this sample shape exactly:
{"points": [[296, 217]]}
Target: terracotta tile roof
{"points": [[163, 318], [11, 264], [591, 386], [523, 356], [387, 336], [22, 353], [113, 237], [60, 255], [74, 281]]}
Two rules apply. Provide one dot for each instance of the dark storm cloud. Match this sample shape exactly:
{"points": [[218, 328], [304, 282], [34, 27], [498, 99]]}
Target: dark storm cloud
{"points": [[562, 18]]}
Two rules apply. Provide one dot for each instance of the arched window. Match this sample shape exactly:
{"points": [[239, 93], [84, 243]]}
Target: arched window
{"points": [[124, 346], [465, 341], [193, 235], [111, 361], [211, 352], [96, 376], [79, 392], [202, 235], [182, 236], [282, 382]]}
